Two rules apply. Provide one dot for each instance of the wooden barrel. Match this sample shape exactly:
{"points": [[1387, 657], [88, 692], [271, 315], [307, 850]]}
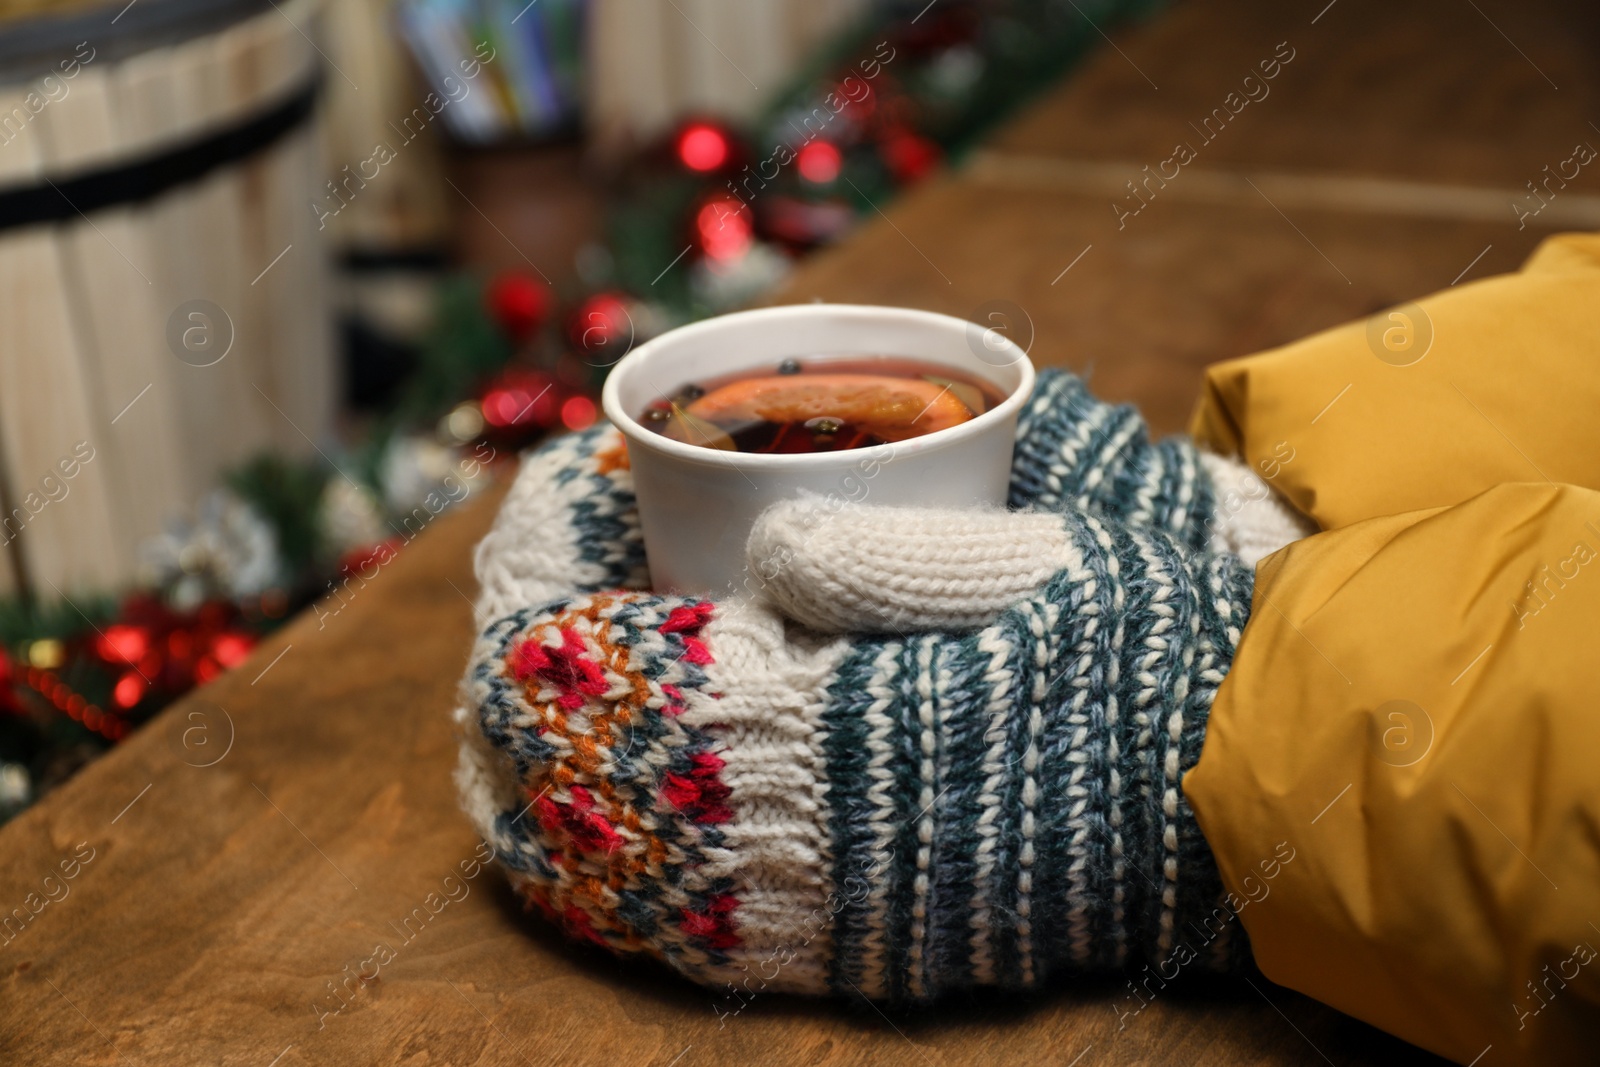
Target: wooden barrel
{"points": [[164, 306]]}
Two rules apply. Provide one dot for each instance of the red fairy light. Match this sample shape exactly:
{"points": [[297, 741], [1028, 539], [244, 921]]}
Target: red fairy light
{"points": [[128, 691], [230, 649], [519, 303], [724, 227], [703, 147], [517, 399], [601, 325], [819, 162], [123, 643], [501, 406], [909, 156], [578, 413]]}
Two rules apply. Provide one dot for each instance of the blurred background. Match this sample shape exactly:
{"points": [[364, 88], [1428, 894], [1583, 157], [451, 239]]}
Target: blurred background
{"points": [[281, 281]]}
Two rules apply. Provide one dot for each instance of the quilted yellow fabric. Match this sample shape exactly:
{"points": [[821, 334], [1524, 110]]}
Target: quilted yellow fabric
{"points": [[1414, 708], [1429, 403]]}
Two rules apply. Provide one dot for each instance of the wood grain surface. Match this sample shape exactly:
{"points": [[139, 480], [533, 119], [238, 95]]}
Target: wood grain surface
{"points": [[253, 846]]}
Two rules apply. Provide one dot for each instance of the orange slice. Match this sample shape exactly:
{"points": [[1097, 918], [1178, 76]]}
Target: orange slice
{"points": [[893, 409]]}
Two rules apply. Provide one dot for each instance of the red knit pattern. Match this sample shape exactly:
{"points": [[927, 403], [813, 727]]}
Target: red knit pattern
{"points": [[567, 668], [586, 686]]}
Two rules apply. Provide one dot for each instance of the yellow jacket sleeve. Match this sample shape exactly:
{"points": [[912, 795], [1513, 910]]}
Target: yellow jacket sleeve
{"points": [[1429, 403], [1412, 716]]}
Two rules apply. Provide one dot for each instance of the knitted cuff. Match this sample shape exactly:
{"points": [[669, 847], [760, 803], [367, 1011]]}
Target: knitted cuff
{"points": [[699, 783], [1249, 519], [1076, 452]]}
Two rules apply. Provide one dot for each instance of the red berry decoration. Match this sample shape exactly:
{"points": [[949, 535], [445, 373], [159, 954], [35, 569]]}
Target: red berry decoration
{"points": [[519, 303]]}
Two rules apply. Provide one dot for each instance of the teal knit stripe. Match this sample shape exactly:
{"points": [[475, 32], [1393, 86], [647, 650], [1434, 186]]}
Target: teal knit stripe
{"points": [[923, 696], [958, 808], [1000, 887], [916, 685], [902, 782], [1076, 452], [993, 704], [1052, 744], [1128, 690], [1075, 836], [1158, 688], [859, 686], [1228, 590]]}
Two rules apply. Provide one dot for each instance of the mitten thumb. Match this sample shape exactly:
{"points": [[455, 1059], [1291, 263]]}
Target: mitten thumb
{"points": [[878, 569]]}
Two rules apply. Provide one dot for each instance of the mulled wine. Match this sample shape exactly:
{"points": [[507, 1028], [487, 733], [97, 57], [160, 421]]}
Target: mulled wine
{"points": [[820, 404]]}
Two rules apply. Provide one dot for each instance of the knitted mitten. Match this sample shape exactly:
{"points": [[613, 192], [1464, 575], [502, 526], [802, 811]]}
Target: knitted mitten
{"points": [[760, 804], [898, 815], [1074, 451]]}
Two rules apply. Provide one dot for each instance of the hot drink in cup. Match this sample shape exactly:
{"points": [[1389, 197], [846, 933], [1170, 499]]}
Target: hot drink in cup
{"points": [[821, 404], [846, 404]]}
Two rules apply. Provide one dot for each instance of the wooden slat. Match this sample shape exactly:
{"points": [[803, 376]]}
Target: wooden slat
{"points": [[121, 323], [46, 412], [19, 162], [287, 353], [48, 407], [196, 237]]}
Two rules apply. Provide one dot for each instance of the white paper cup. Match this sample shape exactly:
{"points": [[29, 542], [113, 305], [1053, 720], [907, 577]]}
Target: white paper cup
{"points": [[697, 505]]}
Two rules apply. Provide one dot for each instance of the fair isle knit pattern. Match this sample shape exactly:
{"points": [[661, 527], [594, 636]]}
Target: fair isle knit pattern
{"points": [[569, 524], [622, 804]]}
